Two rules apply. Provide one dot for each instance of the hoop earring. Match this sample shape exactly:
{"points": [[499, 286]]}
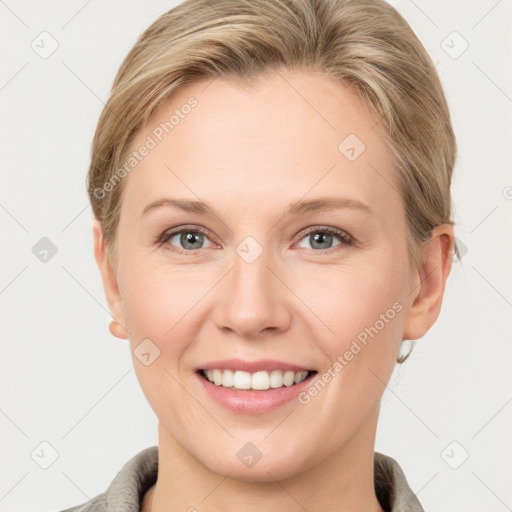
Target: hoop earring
{"points": [[402, 358]]}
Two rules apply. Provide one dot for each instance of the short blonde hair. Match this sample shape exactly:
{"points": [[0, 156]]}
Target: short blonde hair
{"points": [[365, 44]]}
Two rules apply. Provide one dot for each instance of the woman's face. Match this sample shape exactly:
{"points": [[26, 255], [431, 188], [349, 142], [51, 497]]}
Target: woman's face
{"points": [[274, 273]]}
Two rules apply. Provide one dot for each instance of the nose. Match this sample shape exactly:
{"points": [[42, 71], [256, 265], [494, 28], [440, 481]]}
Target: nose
{"points": [[253, 301]]}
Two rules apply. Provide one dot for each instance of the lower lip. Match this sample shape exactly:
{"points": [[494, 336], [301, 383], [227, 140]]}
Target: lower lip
{"points": [[253, 402]]}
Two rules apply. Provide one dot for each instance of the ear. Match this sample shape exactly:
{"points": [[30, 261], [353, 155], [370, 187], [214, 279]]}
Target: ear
{"points": [[429, 283], [108, 276]]}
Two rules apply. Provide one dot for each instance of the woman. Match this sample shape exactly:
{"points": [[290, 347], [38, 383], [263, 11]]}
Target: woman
{"points": [[271, 187]]}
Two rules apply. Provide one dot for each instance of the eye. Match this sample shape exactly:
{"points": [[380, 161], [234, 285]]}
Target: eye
{"points": [[188, 240], [184, 240], [322, 239]]}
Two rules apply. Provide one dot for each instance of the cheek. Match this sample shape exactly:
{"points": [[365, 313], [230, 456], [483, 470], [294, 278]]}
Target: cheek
{"points": [[153, 306], [349, 301], [156, 297], [157, 304], [365, 309]]}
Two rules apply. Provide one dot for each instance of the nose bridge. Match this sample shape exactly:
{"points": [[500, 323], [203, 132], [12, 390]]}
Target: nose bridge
{"points": [[250, 275], [251, 299]]}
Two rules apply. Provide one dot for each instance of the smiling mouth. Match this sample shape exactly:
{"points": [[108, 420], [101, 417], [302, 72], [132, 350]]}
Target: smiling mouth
{"points": [[240, 380]]}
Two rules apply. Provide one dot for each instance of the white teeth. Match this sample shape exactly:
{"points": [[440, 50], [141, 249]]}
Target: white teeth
{"points": [[261, 380], [297, 377], [276, 379], [217, 377], [227, 378], [242, 380], [288, 378]]}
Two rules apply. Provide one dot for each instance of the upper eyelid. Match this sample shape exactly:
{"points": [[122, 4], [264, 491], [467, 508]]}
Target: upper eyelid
{"points": [[328, 229]]}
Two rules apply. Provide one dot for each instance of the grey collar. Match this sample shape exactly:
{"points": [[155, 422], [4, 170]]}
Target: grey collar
{"points": [[127, 489]]}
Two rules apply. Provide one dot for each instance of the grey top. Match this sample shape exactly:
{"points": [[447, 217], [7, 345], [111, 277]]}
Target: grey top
{"points": [[127, 490]]}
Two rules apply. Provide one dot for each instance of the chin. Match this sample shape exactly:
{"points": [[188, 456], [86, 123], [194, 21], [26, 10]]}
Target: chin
{"points": [[249, 465], [270, 471]]}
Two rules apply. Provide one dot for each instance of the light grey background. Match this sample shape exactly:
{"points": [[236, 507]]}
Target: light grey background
{"points": [[67, 382]]}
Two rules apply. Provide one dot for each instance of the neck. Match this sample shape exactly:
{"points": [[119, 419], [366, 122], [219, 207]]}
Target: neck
{"points": [[344, 479]]}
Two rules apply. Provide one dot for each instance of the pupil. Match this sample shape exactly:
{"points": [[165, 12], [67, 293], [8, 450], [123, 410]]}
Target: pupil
{"points": [[189, 238], [321, 238]]}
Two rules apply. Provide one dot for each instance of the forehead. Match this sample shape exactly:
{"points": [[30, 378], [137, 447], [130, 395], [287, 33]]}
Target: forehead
{"points": [[286, 135]]}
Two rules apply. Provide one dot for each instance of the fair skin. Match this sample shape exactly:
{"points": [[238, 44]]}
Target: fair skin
{"points": [[250, 152]]}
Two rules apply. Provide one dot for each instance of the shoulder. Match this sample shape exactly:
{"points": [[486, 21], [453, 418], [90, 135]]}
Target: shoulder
{"points": [[391, 486], [128, 486]]}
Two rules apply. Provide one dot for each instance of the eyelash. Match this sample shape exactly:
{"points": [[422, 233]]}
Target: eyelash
{"points": [[345, 238]]}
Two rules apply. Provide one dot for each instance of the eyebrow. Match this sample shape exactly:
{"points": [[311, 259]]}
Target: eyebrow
{"points": [[296, 208]]}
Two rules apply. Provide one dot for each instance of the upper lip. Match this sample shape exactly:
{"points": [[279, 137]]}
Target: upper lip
{"points": [[252, 366]]}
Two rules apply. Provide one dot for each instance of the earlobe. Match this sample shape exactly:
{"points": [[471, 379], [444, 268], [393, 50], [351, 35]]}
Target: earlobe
{"points": [[117, 330], [426, 297], [110, 285]]}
